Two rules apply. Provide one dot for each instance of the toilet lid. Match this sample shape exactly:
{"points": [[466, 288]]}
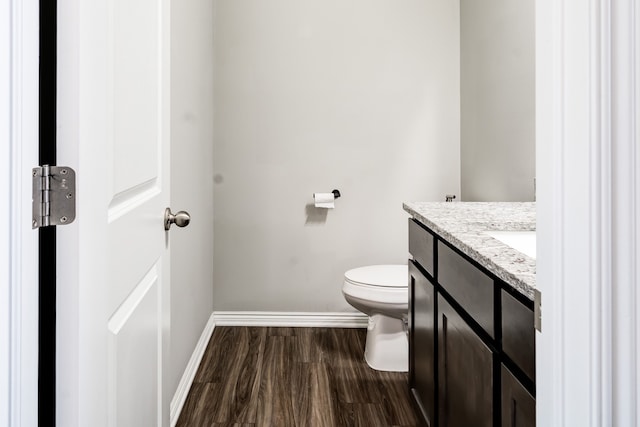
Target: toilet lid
{"points": [[393, 276]]}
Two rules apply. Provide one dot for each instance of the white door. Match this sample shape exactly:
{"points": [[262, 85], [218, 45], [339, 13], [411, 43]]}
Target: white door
{"points": [[113, 284]]}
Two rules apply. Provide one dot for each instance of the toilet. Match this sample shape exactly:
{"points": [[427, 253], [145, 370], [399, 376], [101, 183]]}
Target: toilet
{"points": [[381, 292]]}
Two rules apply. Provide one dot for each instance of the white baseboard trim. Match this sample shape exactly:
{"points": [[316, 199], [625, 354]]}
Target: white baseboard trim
{"points": [[290, 319], [190, 372]]}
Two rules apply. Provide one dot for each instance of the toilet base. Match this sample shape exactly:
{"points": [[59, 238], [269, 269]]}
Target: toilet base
{"points": [[387, 347]]}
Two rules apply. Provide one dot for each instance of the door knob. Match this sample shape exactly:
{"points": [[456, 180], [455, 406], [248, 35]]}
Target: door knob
{"points": [[181, 219]]}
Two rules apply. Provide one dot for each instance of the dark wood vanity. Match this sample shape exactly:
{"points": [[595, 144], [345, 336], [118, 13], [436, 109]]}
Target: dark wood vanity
{"points": [[471, 339]]}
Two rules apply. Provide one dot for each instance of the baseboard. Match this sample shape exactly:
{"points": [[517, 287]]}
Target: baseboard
{"points": [[290, 319], [190, 372]]}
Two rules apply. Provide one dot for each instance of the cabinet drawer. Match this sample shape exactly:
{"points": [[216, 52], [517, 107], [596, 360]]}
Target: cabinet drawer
{"points": [[518, 406], [518, 334], [421, 246], [470, 287]]}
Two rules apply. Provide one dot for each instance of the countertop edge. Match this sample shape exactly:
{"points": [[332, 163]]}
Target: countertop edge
{"points": [[524, 283]]}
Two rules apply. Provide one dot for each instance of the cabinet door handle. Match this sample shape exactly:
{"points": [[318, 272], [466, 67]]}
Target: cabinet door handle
{"points": [[513, 413]]}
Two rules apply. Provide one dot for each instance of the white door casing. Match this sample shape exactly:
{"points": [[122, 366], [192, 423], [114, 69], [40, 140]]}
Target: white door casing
{"points": [[113, 278], [18, 242], [588, 263]]}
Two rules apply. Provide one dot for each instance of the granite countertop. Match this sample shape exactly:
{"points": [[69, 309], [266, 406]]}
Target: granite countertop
{"points": [[463, 224]]}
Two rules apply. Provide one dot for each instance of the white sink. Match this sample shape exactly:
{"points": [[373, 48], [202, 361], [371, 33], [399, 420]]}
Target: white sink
{"points": [[522, 241]]}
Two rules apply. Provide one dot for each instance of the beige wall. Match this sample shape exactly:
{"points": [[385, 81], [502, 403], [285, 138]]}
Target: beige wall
{"points": [[497, 46], [191, 177], [362, 96]]}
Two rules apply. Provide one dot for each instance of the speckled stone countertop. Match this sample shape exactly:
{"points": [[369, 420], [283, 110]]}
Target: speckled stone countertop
{"points": [[463, 224]]}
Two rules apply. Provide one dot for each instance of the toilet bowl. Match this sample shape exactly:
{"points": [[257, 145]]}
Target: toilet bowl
{"points": [[381, 292]]}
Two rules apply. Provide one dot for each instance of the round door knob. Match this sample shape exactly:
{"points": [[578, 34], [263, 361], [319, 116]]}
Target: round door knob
{"points": [[181, 219]]}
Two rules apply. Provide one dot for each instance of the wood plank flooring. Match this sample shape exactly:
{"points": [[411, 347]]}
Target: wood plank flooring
{"points": [[293, 377]]}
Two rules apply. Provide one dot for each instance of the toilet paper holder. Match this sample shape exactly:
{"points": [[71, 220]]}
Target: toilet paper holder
{"points": [[336, 194]]}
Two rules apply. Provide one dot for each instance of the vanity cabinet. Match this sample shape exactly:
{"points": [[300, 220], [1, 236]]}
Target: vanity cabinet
{"points": [[471, 340]]}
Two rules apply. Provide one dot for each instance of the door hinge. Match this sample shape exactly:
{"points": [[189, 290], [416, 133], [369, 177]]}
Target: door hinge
{"points": [[54, 196]]}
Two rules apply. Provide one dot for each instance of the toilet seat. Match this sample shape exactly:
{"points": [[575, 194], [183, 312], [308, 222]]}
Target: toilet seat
{"points": [[388, 276], [387, 284]]}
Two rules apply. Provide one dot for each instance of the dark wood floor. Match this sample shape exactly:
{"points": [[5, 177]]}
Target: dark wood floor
{"points": [[293, 377]]}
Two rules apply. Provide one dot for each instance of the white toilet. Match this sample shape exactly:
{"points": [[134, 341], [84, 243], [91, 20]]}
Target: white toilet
{"points": [[381, 292]]}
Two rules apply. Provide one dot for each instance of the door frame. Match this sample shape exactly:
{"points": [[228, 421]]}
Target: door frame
{"points": [[19, 41], [588, 158]]}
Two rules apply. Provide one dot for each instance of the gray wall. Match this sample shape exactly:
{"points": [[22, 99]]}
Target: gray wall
{"points": [[314, 95], [497, 45], [191, 177]]}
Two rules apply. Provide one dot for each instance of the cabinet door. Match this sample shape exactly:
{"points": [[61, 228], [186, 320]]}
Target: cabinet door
{"points": [[465, 373], [422, 343], [518, 406]]}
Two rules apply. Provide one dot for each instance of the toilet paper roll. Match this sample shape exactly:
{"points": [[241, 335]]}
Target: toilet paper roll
{"points": [[324, 200]]}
